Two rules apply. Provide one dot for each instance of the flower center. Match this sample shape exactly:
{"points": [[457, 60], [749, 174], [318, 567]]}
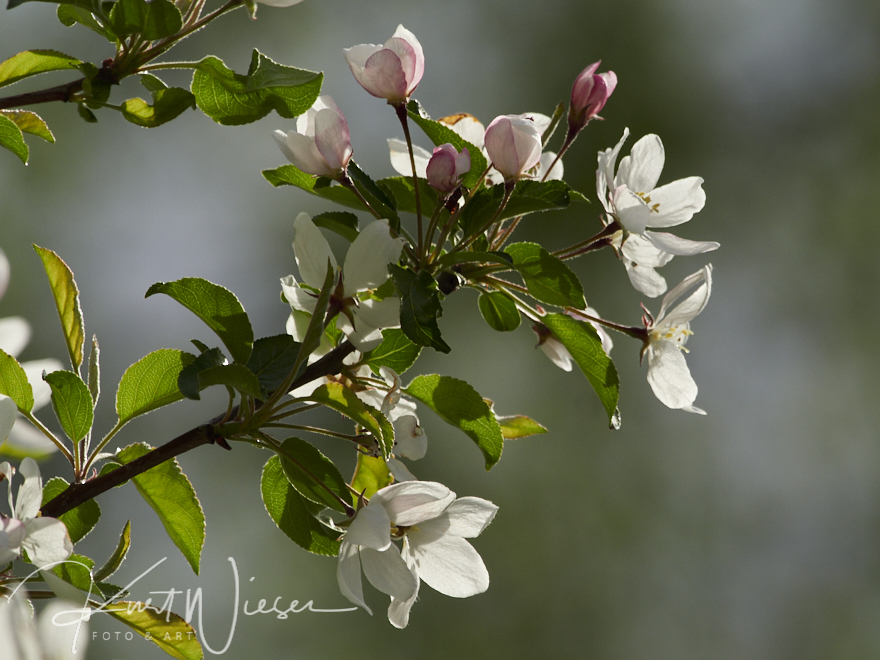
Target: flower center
{"points": [[646, 198]]}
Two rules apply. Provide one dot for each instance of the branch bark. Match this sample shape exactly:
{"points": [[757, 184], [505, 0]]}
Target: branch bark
{"points": [[58, 93]]}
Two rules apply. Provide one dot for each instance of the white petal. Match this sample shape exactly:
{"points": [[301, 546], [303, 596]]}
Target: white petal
{"points": [[47, 541], [389, 573], [30, 494], [643, 252], [409, 439], [4, 273], [348, 575], [25, 440], [312, 251], [645, 165], [379, 313], [34, 369], [631, 210], [605, 172], [12, 534], [366, 264], [62, 629], [679, 246], [669, 376], [364, 337], [400, 158], [300, 300], [645, 280], [685, 311], [15, 333], [450, 565], [398, 610], [399, 471], [370, 528], [555, 174], [469, 516], [414, 502], [466, 126], [8, 412], [676, 202], [557, 353]]}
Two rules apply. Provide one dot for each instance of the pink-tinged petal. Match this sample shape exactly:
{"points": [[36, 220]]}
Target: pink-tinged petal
{"points": [[47, 541], [15, 333], [348, 575], [383, 76], [413, 58], [646, 163], [357, 57], [371, 528], [368, 258], [312, 251], [676, 202], [8, 412], [332, 138], [605, 173], [4, 273], [302, 152], [449, 564], [514, 145], [414, 502], [681, 247], [469, 516], [389, 573], [669, 376], [30, 494]]}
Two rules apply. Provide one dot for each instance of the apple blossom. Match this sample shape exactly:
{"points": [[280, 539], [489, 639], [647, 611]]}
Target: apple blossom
{"points": [[44, 539], [321, 144], [513, 144], [59, 633], [552, 347], [433, 525], [446, 167], [391, 71], [631, 200], [365, 269], [279, 3], [668, 373], [589, 94]]}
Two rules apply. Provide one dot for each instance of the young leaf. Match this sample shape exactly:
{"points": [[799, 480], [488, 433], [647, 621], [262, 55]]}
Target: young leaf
{"points": [[272, 360], [547, 278], [419, 307], [151, 383], [95, 370], [217, 307], [232, 99], [115, 560], [370, 475], [396, 352], [236, 376], [167, 105], [153, 20], [519, 426], [30, 122], [459, 404], [343, 400], [33, 62], [76, 570], [499, 311], [67, 302], [582, 341], [170, 494], [14, 383], [343, 223], [313, 475], [80, 520], [291, 513], [70, 15], [72, 402], [12, 139], [165, 629]]}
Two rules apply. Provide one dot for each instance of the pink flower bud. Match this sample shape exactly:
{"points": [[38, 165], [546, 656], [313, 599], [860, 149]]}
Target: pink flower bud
{"points": [[320, 144], [446, 167], [389, 72], [514, 145], [589, 94]]}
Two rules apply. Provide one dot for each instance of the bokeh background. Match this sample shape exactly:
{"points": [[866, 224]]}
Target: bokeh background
{"points": [[752, 532]]}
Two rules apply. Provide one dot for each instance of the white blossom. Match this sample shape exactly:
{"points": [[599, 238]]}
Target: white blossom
{"points": [[59, 633], [390, 71]]}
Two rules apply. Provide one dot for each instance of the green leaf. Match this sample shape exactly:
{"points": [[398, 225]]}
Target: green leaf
{"points": [[315, 330], [499, 311], [33, 62], [519, 426], [170, 494], [29, 122], [76, 570], [313, 475], [217, 307], [12, 139], [236, 376], [272, 360], [455, 258], [547, 278], [115, 560], [459, 404], [441, 134], [69, 15], [87, 115], [14, 383], [379, 200], [419, 307], [165, 629], [401, 189], [67, 302], [554, 122], [232, 99], [153, 20], [288, 175], [343, 223], [167, 105], [582, 341], [291, 513], [370, 475], [396, 352], [343, 400], [72, 402], [151, 383], [527, 197], [95, 371], [81, 519]]}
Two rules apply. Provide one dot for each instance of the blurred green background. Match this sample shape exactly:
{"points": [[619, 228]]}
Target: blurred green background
{"points": [[752, 532]]}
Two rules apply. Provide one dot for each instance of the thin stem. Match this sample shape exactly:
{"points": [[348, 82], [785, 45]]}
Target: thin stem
{"points": [[167, 43], [42, 429], [588, 244], [313, 429], [631, 331], [508, 191], [400, 109]]}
